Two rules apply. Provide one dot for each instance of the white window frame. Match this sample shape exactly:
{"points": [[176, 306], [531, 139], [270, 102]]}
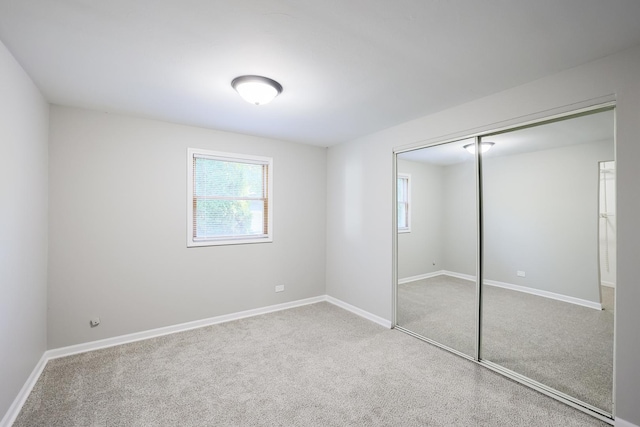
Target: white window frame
{"points": [[406, 176], [228, 157]]}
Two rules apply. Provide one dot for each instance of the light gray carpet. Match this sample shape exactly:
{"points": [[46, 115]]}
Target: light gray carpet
{"points": [[316, 365], [562, 345]]}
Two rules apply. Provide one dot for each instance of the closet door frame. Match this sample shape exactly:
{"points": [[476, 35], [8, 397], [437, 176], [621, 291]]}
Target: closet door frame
{"points": [[560, 114]]}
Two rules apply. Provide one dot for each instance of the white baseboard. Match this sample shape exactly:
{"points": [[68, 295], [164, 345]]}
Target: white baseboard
{"points": [[608, 284], [360, 312], [546, 294], [435, 274], [420, 277], [459, 275], [622, 423], [528, 290], [524, 289], [181, 327], [22, 396], [19, 401]]}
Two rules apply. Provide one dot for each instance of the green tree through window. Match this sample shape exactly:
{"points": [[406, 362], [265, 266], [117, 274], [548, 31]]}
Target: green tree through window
{"points": [[230, 197]]}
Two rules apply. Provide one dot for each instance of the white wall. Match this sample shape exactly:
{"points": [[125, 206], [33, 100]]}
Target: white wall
{"points": [[460, 243], [24, 122], [359, 261], [118, 228], [359, 224], [420, 248], [539, 214], [443, 229], [541, 217]]}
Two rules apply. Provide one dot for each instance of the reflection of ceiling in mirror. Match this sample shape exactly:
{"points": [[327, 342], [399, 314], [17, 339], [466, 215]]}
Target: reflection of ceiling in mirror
{"points": [[442, 155], [579, 130]]}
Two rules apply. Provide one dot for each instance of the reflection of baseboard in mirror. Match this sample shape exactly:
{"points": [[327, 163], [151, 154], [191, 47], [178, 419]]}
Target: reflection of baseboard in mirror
{"points": [[546, 294], [525, 289], [420, 277]]}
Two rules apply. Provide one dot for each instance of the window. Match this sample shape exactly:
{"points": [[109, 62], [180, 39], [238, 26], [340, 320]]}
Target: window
{"points": [[229, 198], [404, 203]]}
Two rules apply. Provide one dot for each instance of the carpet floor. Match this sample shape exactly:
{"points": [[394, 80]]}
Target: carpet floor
{"points": [[316, 365], [562, 345]]}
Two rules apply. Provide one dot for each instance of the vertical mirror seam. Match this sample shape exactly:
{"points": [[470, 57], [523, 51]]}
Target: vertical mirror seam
{"points": [[479, 249]]}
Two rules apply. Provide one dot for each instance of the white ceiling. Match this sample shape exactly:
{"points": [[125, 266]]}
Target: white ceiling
{"points": [[348, 67]]}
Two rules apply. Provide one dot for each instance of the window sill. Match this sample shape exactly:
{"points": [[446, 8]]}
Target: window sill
{"points": [[225, 242]]}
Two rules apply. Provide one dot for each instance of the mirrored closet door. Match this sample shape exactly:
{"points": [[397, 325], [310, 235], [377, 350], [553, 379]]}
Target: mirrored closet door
{"points": [[437, 245], [546, 314], [542, 199]]}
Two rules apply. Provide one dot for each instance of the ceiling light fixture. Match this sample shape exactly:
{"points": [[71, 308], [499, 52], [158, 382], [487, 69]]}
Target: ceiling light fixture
{"points": [[484, 147], [257, 90]]}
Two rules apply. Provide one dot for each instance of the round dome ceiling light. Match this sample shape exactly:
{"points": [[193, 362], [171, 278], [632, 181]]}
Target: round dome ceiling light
{"points": [[257, 90], [484, 147]]}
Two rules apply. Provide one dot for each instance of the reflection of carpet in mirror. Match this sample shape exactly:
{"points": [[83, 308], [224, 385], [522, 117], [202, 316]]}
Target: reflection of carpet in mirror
{"points": [[562, 345]]}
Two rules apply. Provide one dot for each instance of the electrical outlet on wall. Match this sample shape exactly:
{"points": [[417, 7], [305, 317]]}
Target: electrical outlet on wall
{"points": [[280, 288], [94, 321]]}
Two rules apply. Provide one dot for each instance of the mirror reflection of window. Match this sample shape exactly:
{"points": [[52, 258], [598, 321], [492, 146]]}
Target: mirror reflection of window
{"points": [[404, 200]]}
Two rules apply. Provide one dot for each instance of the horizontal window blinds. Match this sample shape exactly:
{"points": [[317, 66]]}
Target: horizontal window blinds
{"points": [[230, 198]]}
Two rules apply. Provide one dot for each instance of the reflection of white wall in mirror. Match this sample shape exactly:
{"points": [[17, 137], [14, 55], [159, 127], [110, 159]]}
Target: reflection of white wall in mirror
{"points": [[438, 208], [459, 218], [443, 204], [540, 217], [420, 249], [608, 223]]}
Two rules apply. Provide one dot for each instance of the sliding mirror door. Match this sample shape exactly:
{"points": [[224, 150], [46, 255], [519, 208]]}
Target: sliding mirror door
{"points": [[437, 245], [548, 229]]}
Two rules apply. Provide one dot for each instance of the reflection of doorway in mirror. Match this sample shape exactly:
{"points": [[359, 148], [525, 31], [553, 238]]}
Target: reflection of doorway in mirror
{"points": [[607, 223]]}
